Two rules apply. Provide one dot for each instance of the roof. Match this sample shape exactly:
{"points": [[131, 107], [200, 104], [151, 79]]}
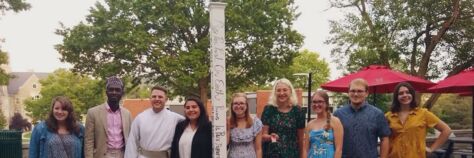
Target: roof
{"points": [[19, 78]]}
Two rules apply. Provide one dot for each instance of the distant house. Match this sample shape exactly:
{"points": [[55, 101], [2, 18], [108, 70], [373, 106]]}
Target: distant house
{"points": [[23, 85]]}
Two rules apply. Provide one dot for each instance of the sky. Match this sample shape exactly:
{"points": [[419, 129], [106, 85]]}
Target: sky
{"points": [[29, 36]]}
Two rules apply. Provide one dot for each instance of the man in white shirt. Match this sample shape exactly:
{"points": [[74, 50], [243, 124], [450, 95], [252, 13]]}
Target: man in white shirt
{"points": [[153, 129]]}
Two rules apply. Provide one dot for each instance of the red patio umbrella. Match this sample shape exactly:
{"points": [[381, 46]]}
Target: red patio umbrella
{"points": [[381, 79], [462, 82]]}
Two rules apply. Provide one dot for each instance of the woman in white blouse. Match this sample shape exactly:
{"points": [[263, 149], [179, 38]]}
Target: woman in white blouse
{"points": [[193, 136]]}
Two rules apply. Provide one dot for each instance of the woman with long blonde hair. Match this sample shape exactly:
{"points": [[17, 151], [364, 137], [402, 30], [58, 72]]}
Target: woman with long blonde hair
{"points": [[283, 123]]}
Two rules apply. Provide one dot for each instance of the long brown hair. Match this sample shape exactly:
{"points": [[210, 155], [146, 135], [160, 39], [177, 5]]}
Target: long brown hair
{"points": [[325, 96], [71, 121], [233, 116]]}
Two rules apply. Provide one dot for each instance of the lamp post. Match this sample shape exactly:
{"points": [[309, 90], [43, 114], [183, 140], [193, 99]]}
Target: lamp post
{"points": [[309, 91]]}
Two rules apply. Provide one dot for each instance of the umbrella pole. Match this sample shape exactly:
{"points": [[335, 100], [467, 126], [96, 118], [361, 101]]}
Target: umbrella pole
{"points": [[374, 92]]}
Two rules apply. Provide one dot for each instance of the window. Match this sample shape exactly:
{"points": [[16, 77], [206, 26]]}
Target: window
{"points": [[34, 85]]}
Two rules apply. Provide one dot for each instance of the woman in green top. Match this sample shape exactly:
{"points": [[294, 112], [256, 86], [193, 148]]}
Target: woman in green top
{"points": [[283, 120]]}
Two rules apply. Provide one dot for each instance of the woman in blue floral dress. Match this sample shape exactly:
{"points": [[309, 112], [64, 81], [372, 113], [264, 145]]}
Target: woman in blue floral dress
{"points": [[325, 133], [244, 132], [283, 123]]}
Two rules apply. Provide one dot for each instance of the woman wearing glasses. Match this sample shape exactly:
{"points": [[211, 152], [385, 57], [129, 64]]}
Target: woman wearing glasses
{"points": [[325, 133], [244, 132]]}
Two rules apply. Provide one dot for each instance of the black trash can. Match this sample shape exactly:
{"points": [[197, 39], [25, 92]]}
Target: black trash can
{"points": [[10, 144]]}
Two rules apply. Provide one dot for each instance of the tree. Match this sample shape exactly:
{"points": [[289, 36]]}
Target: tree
{"points": [[83, 92], [305, 62], [15, 6], [17, 122], [167, 42], [141, 91], [3, 121], [426, 38], [454, 110]]}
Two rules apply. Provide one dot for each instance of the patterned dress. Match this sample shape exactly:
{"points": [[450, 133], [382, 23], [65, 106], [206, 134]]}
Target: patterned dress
{"points": [[321, 144], [242, 140], [61, 146], [285, 125]]}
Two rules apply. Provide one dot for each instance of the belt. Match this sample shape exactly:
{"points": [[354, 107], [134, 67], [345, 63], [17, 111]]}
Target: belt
{"points": [[114, 149], [157, 154]]}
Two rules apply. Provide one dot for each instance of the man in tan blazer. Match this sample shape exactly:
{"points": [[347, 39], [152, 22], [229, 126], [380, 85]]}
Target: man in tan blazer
{"points": [[108, 124]]}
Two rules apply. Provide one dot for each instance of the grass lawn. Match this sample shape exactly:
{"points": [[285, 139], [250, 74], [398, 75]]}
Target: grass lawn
{"points": [[26, 137]]}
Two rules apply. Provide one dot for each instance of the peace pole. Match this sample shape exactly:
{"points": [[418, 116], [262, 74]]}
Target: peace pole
{"points": [[218, 82]]}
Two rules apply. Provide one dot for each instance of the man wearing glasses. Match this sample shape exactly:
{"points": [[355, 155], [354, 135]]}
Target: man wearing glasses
{"points": [[363, 125]]}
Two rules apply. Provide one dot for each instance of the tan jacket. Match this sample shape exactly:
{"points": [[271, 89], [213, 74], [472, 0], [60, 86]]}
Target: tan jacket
{"points": [[95, 144]]}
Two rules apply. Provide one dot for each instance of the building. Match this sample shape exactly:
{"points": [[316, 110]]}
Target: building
{"points": [[22, 86]]}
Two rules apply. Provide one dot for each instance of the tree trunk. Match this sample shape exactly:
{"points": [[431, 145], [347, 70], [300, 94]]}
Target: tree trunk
{"points": [[203, 89], [433, 41], [434, 97]]}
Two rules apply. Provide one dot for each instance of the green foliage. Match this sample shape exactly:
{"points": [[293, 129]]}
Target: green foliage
{"points": [[83, 92], [14, 5], [4, 77], [3, 121], [401, 33], [339, 99], [17, 122], [454, 110], [382, 101], [306, 62], [141, 91], [167, 42]]}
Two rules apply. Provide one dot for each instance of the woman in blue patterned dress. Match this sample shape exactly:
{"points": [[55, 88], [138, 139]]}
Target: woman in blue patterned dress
{"points": [[244, 132], [325, 133]]}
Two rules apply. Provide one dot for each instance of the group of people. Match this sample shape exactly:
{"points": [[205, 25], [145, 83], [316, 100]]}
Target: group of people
{"points": [[110, 132], [356, 130]]}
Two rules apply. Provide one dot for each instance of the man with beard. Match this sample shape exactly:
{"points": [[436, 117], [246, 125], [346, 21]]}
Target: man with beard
{"points": [[152, 130], [108, 124]]}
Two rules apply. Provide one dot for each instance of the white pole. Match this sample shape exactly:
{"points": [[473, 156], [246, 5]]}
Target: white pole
{"points": [[218, 82]]}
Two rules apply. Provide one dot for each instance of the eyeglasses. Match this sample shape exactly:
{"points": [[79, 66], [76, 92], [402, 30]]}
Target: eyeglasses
{"points": [[238, 103], [356, 91], [318, 101]]}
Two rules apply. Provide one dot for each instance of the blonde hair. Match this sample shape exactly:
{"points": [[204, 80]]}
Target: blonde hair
{"points": [[360, 82], [233, 116], [273, 99]]}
